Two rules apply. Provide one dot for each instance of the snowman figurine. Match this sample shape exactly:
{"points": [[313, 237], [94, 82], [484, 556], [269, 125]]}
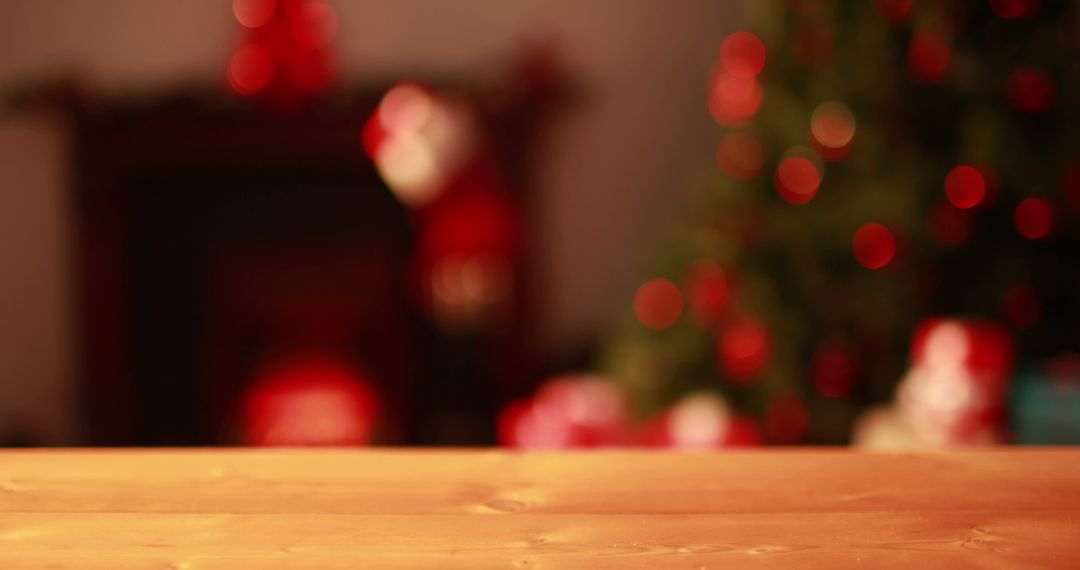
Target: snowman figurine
{"points": [[953, 395]]}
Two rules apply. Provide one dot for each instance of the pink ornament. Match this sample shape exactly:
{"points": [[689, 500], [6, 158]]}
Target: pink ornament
{"points": [[569, 412]]}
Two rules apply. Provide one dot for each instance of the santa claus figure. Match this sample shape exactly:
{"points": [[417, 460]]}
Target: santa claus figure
{"points": [[953, 395]]}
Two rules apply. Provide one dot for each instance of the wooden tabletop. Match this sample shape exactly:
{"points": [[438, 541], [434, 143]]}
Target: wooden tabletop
{"points": [[301, 509]]}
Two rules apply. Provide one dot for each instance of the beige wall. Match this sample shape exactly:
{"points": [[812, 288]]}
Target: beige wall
{"points": [[612, 173]]}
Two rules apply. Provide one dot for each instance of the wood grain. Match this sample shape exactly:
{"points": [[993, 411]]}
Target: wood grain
{"points": [[205, 509]]}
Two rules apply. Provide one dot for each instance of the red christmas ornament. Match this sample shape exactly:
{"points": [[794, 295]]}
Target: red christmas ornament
{"points": [[734, 99], [874, 246], [929, 56], [743, 350], [965, 186], [658, 303], [743, 432], [311, 402], [1034, 218], [468, 253], [708, 290], [1029, 90], [797, 180], [284, 56], [742, 54]]}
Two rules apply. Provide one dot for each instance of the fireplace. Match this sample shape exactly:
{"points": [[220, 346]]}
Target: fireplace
{"points": [[217, 238]]}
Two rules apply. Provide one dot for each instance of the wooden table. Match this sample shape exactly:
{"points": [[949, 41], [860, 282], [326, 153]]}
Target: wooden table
{"points": [[299, 509]]}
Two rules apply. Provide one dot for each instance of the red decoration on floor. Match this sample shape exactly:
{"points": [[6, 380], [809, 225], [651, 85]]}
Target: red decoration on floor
{"points": [[309, 402], [569, 412]]}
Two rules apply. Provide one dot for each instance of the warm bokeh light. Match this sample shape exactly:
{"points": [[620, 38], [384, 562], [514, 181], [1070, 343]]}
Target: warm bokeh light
{"points": [[832, 125], [254, 13], [250, 69], [744, 350], [708, 291], [466, 287], [797, 178], [1034, 218], [742, 54], [929, 56], [658, 303], [699, 420], [965, 186], [734, 100], [874, 246], [1029, 90], [314, 24], [740, 155]]}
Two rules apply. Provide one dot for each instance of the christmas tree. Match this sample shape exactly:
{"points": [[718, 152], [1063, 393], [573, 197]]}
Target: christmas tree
{"points": [[878, 163]]}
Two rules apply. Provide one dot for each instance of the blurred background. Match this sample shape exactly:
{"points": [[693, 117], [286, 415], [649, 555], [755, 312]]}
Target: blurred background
{"points": [[546, 224]]}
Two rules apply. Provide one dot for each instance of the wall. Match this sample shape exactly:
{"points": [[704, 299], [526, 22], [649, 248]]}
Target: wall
{"points": [[612, 173]]}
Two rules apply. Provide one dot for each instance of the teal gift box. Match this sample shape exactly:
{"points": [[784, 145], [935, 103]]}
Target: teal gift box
{"points": [[1046, 405]]}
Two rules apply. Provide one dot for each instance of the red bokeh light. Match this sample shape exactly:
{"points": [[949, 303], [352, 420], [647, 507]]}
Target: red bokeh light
{"points": [[965, 186], [874, 246], [833, 370], [786, 420], [742, 54], [250, 69], [1030, 91], [708, 290], [832, 125], [744, 350], [895, 10], [734, 100], [314, 24], [740, 155], [254, 13], [929, 57], [658, 303], [310, 402], [1034, 218], [1021, 306], [797, 179]]}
